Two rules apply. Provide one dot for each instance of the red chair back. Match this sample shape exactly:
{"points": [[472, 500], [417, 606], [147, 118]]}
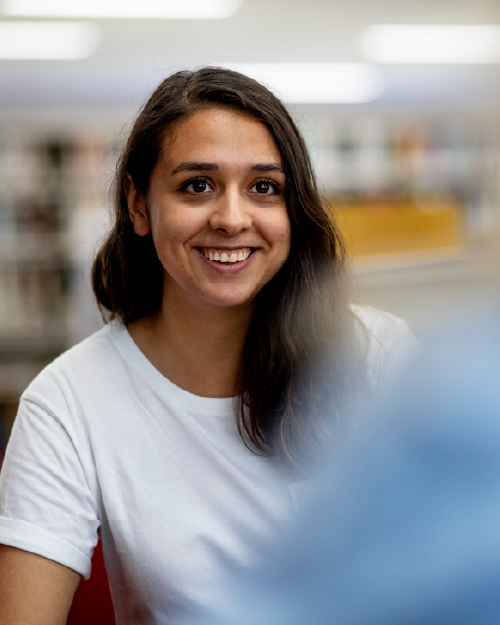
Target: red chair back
{"points": [[92, 601]]}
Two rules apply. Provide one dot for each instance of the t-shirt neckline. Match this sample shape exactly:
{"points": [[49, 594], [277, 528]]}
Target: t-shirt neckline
{"points": [[137, 359]]}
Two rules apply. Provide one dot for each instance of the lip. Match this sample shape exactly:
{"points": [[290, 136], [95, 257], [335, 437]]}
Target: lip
{"points": [[227, 268]]}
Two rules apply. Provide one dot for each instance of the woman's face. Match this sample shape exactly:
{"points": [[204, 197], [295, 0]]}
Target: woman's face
{"points": [[216, 208]]}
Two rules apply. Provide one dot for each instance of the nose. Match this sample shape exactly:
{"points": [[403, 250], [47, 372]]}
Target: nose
{"points": [[230, 213]]}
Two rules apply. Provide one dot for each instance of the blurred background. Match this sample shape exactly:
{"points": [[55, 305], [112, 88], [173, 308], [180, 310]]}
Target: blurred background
{"points": [[399, 102]]}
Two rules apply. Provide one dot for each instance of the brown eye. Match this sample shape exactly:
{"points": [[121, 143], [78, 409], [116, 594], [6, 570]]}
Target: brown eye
{"points": [[199, 186], [264, 187]]}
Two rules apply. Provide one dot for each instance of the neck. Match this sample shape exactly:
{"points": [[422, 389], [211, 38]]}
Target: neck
{"points": [[197, 346]]}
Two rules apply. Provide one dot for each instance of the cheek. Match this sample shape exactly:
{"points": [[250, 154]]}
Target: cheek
{"points": [[281, 232], [172, 228]]}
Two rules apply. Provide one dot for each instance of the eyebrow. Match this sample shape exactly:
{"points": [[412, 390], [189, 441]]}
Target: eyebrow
{"points": [[267, 167], [196, 166]]}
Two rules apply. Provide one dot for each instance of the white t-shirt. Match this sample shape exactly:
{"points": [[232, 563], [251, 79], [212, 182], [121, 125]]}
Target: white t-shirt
{"points": [[104, 442]]}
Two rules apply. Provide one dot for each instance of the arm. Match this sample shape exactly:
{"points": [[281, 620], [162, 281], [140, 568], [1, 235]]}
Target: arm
{"points": [[34, 590], [48, 514]]}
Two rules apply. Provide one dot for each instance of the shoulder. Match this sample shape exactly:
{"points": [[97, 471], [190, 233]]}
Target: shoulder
{"points": [[387, 341], [81, 365], [382, 326]]}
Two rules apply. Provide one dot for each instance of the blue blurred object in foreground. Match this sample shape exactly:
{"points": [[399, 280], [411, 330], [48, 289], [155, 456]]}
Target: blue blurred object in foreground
{"points": [[407, 530]]}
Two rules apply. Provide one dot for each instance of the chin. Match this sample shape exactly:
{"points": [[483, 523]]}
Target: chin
{"points": [[230, 298]]}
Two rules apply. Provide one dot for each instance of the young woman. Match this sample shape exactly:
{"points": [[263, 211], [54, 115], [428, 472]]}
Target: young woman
{"points": [[175, 431]]}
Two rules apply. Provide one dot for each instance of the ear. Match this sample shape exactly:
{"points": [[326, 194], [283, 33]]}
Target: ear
{"points": [[136, 207]]}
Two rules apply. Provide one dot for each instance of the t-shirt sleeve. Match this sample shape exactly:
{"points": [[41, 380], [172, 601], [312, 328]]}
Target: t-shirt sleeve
{"points": [[389, 344], [46, 504]]}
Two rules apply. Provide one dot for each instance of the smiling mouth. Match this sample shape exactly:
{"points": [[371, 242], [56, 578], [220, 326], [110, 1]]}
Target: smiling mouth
{"points": [[226, 256]]}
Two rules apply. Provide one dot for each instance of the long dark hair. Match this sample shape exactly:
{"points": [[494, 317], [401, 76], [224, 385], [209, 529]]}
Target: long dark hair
{"points": [[301, 319]]}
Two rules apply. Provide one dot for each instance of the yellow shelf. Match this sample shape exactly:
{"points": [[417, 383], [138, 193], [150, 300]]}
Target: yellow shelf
{"points": [[396, 227]]}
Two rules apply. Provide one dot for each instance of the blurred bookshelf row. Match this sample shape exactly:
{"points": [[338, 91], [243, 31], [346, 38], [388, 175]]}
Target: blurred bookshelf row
{"points": [[52, 188], [401, 185], [401, 189]]}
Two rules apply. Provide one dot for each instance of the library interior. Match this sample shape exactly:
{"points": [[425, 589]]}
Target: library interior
{"points": [[398, 101]]}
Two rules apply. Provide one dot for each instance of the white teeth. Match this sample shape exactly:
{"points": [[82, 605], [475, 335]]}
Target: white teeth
{"points": [[225, 257]]}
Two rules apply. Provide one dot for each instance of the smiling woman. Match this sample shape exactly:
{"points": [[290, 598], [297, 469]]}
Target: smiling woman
{"points": [[176, 430], [216, 191], [215, 209]]}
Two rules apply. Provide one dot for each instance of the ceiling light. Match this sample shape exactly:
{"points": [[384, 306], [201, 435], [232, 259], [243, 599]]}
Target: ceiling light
{"points": [[404, 43], [182, 9], [317, 82], [47, 40]]}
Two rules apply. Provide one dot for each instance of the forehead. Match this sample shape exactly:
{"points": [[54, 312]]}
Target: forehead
{"points": [[220, 135]]}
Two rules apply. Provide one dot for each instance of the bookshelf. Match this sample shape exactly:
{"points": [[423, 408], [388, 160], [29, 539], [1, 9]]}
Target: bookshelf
{"points": [[52, 182], [400, 180]]}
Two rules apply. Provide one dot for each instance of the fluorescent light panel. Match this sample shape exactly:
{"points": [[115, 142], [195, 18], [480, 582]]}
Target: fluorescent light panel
{"points": [[317, 82], [405, 43], [47, 40], [180, 9]]}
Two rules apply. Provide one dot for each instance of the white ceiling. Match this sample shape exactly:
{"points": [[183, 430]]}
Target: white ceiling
{"points": [[136, 54]]}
